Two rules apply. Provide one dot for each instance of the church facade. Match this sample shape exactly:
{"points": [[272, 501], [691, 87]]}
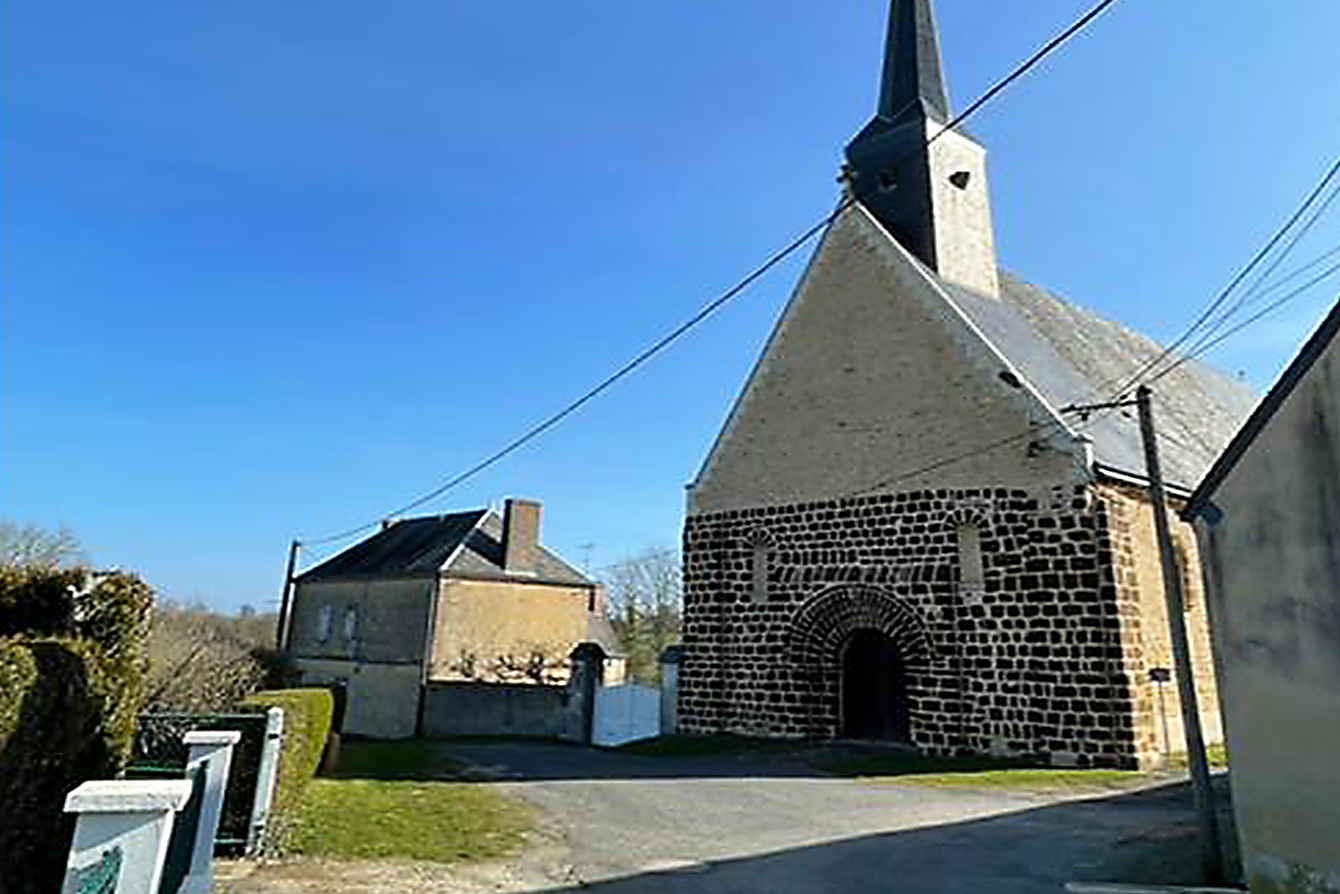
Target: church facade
{"points": [[900, 533]]}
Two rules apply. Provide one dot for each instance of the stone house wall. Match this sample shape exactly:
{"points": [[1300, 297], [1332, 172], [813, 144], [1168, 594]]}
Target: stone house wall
{"points": [[507, 632]]}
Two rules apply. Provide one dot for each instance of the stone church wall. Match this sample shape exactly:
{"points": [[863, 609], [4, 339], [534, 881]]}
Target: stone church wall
{"points": [[1146, 641], [1042, 657]]}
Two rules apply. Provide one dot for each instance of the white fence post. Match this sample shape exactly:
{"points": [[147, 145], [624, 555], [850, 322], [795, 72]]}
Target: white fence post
{"points": [[212, 749], [265, 779], [122, 830]]}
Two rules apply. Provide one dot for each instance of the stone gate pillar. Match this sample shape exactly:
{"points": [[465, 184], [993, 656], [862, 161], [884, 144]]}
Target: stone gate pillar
{"points": [[588, 672]]}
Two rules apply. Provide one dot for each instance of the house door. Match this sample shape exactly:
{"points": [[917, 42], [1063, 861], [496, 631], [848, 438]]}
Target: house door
{"points": [[874, 689]]}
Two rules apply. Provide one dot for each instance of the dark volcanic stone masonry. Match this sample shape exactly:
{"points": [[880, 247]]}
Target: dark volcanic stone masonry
{"points": [[1027, 659]]}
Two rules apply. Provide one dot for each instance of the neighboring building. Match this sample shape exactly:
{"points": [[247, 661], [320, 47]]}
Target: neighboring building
{"points": [[1268, 519], [898, 532], [462, 597]]}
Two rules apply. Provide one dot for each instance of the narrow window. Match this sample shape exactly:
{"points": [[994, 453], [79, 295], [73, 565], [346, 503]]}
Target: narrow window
{"points": [[760, 558], [1186, 571], [323, 624], [759, 572], [350, 624], [971, 574]]}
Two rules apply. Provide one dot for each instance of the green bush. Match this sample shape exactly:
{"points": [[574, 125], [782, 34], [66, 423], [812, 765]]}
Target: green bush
{"points": [[307, 716], [71, 684], [61, 723], [38, 601]]}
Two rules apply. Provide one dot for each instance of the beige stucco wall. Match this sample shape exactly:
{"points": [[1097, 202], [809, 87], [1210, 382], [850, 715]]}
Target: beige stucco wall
{"points": [[383, 699], [1273, 561], [873, 373], [1146, 639], [390, 619], [497, 631]]}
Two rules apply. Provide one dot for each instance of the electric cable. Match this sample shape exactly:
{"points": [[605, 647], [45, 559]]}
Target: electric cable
{"points": [[1256, 291], [1265, 311], [1233, 284], [664, 342]]}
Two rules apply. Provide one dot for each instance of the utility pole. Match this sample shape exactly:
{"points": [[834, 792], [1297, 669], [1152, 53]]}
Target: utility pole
{"points": [[282, 626], [1186, 684]]}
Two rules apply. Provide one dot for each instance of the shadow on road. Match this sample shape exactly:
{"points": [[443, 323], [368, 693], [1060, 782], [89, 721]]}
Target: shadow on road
{"points": [[547, 760], [1144, 837]]}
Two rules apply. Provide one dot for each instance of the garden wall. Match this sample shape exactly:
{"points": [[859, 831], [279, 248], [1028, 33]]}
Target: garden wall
{"points": [[493, 709]]}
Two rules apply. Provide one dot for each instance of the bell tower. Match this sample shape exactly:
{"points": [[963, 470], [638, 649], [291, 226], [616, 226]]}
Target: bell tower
{"points": [[931, 197]]}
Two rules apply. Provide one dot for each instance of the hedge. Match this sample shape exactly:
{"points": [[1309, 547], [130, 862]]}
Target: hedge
{"points": [[71, 683], [60, 725], [307, 716]]}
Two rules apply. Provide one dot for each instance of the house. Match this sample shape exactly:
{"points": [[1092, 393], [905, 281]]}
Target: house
{"points": [[461, 597], [1268, 519], [900, 533]]}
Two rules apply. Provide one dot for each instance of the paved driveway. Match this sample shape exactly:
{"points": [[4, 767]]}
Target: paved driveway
{"points": [[657, 825]]}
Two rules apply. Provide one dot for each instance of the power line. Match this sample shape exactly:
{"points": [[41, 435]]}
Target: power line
{"points": [[661, 344], [1256, 291], [664, 342], [1268, 309], [1033, 431], [1232, 286]]}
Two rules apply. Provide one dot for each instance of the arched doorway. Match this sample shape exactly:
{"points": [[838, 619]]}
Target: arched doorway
{"points": [[874, 688]]}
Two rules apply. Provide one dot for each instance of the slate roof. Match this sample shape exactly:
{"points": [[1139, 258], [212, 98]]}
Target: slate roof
{"points": [[483, 555], [420, 547], [1072, 356]]}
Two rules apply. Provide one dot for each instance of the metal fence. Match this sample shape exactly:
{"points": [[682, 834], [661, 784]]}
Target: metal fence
{"points": [[160, 752]]}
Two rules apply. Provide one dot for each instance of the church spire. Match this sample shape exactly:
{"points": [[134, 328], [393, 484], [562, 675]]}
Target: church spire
{"points": [[930, 197], [913, 83]]}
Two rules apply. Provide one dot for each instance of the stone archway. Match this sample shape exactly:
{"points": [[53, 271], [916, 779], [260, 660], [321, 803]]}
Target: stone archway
{"points": [[865, 654]]}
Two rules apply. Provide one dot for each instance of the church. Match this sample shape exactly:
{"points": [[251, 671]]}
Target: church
{"points": [[901, 533]]}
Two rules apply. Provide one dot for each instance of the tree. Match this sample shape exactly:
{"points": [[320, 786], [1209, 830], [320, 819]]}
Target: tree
{"points": [[31, 546], [203, 661], [646, 604]]}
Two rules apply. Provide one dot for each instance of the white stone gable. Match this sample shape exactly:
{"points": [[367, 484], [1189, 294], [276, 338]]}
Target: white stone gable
{"points": [[872, 374]]}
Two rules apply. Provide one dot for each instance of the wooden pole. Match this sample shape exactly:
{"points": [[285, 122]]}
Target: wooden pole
{"points": [[281, 633], [1186, 683]]}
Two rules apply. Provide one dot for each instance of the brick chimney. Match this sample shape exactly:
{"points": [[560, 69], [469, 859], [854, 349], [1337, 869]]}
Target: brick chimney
{"points": [[521, 536]]}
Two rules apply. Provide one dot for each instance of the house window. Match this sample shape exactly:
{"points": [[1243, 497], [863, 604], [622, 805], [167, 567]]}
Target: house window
{"points": [[323, 624], [350, 624], [971, 573]]}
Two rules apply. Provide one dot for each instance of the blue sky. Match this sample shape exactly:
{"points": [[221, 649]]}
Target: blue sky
{"points": [[273, 269]]}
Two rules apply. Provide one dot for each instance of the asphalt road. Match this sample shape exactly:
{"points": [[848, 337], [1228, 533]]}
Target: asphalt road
{"points": [[624, 824]]}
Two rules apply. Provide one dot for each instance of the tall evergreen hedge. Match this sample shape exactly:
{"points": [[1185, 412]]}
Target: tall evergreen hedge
{"points": [[71, 684]]}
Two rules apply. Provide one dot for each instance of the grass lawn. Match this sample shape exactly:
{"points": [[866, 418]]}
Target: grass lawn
{"points": [[1031, 780], [386, 802], [406, 759], [1216, 754]]}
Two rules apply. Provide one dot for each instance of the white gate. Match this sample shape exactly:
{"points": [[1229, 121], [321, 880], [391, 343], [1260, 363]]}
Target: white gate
{"points": [[626, 713]]}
